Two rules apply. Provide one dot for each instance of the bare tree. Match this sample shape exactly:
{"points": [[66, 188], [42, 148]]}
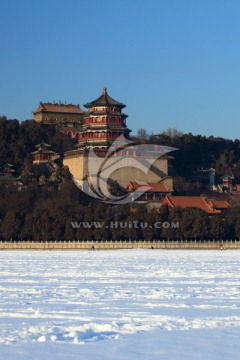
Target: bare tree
{"points": [[172, 133], [142, 134]]}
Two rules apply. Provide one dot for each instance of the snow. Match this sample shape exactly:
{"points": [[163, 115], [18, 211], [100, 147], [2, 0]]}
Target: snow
{"points": [[122, 304]]}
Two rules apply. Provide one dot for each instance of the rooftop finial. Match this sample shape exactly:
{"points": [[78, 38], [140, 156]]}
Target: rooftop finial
{"points": [[104, 91]]}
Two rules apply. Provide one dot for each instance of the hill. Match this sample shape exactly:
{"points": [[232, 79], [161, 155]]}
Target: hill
{"points": [[40, 203]]}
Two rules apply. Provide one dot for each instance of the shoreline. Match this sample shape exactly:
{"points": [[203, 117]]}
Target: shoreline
{"points": [[118, 245]]}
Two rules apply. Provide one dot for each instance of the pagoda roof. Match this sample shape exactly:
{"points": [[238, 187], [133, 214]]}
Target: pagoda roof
{"points": [[42, 145], [206, 170], [227, 176], [107, 113], [104, 99], [7, 165], [58, 108]]}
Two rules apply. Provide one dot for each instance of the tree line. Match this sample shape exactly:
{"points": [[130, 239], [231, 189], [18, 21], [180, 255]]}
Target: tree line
{"points": [[43, 213], [197, 151], [18, 140], [46, 210]]}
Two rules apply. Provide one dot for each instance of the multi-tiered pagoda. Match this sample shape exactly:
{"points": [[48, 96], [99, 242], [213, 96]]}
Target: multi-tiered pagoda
{"points": [[7, 170], [43, 154], [103, 123]]}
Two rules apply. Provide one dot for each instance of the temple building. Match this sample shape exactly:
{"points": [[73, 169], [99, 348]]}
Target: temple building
{"points": [[43, 154], [155, 191], [103, 123], [227, 183], [67, 117], [210, 206], [6, 170]]}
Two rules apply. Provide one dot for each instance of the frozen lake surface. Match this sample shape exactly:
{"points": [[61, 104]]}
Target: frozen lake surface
{"points": [[124, 304]]}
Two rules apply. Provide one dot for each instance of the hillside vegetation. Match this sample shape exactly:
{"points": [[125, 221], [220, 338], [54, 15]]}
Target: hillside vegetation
{"points": [[41, 204]]}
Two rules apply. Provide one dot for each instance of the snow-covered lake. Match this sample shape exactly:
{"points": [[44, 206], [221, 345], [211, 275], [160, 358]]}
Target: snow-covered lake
{"points": [[124, 304]]}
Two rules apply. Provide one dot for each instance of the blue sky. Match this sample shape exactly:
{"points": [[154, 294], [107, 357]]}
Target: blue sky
{"points": [[174, 63]]}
